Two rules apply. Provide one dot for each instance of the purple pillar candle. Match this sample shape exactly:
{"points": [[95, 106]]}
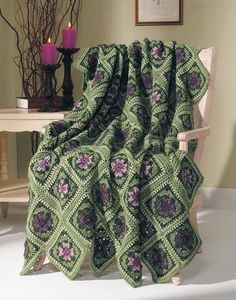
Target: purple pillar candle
{"points": [[69, 36], [49, 52]]}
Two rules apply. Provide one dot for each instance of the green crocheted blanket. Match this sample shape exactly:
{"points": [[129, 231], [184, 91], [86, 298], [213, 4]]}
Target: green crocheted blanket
{"points": [[108, 181]]}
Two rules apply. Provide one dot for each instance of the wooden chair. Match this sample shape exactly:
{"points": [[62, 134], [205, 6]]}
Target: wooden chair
{"points": [[202, 130], [201, 115]]}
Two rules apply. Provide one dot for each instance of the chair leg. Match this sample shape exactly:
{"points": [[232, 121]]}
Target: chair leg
{"points": [[193, 220], [4, 209], [38, 265], [177, 279]]}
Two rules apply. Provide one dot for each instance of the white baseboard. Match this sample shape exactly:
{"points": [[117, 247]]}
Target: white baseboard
{"points": [[219, 198]]}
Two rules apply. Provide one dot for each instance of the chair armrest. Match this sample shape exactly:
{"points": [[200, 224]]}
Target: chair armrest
{"points": [[194, 134]]}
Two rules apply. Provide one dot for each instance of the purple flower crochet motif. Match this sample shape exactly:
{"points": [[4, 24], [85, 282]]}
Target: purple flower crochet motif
{"points": [[43, 164], [63, 188], [103, 194], [147, 80], [84, 161], [180, 55], [97, 77], [65, 251], [159, 258], [113, 91], [145, 169], [131, 89], [119, 167], [158, 53], [184, 239], [155, 97], [134, 261], [120, 226], [194, 81], [69, 147], [135, 52], [42, 222], [87, 218], [187, 177], [133, 196], [165, 206]]}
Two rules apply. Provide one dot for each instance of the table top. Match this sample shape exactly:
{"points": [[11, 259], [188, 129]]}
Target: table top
{"points": [[29, 114]]}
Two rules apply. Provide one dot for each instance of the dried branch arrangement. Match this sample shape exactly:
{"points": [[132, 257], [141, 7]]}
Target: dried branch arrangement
{"points": [[35, 22]]}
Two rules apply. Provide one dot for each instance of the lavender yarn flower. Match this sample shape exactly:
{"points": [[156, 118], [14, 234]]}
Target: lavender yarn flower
{"points": [[155, 97], [84, 161], [119, 167], [135, 52], [194, 81], [120, 226], [187, 177], [87, 218], [69, 147], [42, 222], [158, 53], [159, 258], [180, 55], [43, 164], [134, 261], [66, 252], [165, 206], [130, 89], [145, 169], [133, 196], [103, 194], [63, 188], [147, 80], [97, 77]]}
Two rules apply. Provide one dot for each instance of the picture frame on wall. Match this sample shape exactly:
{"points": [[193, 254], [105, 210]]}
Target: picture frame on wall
{"points": [[158, 12]]}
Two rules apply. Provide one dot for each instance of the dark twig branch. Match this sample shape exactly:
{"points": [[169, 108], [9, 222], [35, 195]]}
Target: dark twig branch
{"points": [[36, 21]]}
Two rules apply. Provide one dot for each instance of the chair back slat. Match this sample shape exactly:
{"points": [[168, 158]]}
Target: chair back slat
{"points": [[208, 57]]}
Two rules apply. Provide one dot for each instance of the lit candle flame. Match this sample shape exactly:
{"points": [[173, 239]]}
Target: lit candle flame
{"points": [[49, 41], [69, 25]]}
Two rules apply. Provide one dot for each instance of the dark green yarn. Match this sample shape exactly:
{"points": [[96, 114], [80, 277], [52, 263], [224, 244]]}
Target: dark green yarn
{"points": [[109, 180]]}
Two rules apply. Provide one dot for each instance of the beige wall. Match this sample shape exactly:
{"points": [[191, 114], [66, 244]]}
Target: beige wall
{"points": [[206, 23], [7, 75]]}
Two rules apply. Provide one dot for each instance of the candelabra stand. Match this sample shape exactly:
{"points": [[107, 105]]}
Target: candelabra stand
{"points": [[67, 86], [49, 91]]}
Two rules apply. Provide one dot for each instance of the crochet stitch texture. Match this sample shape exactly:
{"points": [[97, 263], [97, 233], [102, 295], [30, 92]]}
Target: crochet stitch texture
{"points": [[108, 181]]}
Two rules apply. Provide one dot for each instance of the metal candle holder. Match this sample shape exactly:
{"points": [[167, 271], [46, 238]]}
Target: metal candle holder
{"points": [[67, 86], [49, 91]]}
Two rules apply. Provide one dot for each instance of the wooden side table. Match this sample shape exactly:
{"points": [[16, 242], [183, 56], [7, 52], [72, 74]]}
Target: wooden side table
{"points": [[18, 120]]}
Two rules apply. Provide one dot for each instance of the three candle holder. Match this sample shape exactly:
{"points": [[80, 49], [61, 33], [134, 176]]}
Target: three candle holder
{"points": [[51, 101]]}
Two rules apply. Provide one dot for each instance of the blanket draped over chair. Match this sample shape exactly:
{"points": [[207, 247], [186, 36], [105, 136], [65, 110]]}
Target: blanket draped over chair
{"points": [[108, 182]]}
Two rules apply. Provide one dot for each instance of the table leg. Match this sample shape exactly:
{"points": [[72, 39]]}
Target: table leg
{"points": [[4, 167]]}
